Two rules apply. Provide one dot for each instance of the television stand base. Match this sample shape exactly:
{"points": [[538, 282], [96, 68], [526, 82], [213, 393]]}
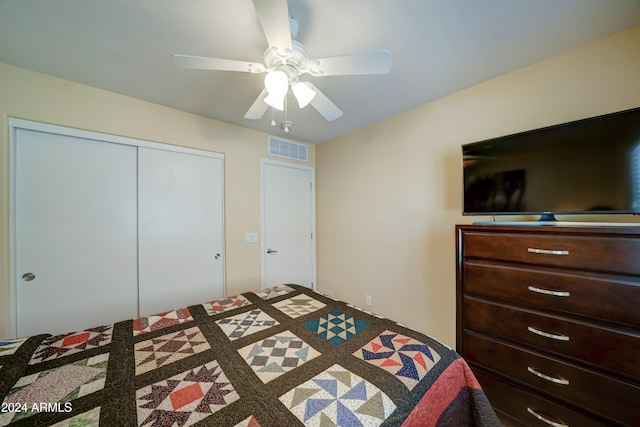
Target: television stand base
{"points": [[546, 217]]}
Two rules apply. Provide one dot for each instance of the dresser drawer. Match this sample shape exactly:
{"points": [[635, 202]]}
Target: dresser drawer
{"points": [[563, 381], [527, 407], [616, 351], [604, 297], [594, 253]]}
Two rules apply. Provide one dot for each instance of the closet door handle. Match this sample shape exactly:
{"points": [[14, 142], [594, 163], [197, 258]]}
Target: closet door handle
{"points": [[556, 380], [556, 337], [271, 251], [27, 277], [547, 251], [548, 292], [546, 420]]}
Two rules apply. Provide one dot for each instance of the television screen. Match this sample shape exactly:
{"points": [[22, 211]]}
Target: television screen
{"points": [[586, 166]]}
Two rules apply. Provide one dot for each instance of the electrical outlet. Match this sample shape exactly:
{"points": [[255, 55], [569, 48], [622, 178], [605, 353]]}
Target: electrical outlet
{"points": [[368, 299]]}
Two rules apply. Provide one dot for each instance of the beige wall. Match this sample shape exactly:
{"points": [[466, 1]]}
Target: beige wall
{"points": [[389, 195], [33, 96]]}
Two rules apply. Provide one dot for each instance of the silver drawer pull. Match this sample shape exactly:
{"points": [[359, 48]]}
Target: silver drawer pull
{"points": [[545, 420], [548, 335], [548, 292], [547, 251], [557, 380]]}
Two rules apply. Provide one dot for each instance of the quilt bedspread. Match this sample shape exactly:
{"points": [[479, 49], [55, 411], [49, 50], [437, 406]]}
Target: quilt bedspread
{"points": [[282, 356]]}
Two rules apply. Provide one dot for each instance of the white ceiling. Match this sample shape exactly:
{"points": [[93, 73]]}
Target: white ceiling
{"points": [[438, 47]]}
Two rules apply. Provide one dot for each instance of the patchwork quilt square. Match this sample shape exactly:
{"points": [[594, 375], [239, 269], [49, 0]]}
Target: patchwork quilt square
{"points": [[277, 354], [221, 305], [73, 342], [337, 326], [406, 358], [143, 325], [299, 306], [10, 346], [274, 292], [160, 351], [247, 323], [186, 398], [338, 397], [61, 384]]}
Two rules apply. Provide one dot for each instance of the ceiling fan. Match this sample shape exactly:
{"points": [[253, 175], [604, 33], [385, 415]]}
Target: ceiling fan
{"points": [[285, 60]]}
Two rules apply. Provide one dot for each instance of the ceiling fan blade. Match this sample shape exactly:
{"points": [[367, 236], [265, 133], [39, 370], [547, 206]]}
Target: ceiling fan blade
{"points": [[216, 64], [258, 108], [324, 105], [372, 62], [274, 18]]}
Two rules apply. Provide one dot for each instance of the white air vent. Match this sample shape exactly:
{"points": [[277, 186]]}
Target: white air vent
{"points": [[288, 149]]}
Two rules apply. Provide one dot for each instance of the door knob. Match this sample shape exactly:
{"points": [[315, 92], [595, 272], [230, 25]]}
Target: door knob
{"points": [[27, 277], [271, 251]]}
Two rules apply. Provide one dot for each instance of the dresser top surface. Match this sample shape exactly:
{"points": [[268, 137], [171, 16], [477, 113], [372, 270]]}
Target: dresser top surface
{"points": [[576, 228]]}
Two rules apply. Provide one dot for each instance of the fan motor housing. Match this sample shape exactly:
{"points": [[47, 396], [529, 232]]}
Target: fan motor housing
{"points": [[298, 59]]}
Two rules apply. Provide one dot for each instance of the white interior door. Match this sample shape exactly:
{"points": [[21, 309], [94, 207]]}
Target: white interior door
{"points": [[75, 233], [180, 229], [287, 224]]}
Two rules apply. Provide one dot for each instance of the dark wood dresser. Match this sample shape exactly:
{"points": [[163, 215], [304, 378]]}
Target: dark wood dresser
{"points": [[548, 317]]}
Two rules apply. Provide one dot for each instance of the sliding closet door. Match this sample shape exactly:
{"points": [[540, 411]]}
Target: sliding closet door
{"points": [[75, 222], [180, 229]]}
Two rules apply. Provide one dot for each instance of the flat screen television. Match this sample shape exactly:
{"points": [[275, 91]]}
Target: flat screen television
{"points": [[587, 166]]}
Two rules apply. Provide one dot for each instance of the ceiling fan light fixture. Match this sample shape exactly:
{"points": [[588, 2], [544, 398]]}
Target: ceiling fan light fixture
{"points": [[277, 84], [303, 93], [285, 59]]}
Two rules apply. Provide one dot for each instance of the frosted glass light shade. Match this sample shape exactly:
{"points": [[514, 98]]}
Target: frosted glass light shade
{"points": [[277, 84], [303, 93]]}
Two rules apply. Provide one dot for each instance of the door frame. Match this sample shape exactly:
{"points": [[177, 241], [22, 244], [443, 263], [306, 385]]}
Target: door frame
{"points": [[264, 162], [15, 124]]}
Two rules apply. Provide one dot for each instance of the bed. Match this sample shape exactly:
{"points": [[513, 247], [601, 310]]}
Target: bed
{"points": [[282, 356]]}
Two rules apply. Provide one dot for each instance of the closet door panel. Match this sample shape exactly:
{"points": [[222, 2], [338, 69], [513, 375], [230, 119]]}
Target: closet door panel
{"points": [[180, 229], [76, 231]]}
